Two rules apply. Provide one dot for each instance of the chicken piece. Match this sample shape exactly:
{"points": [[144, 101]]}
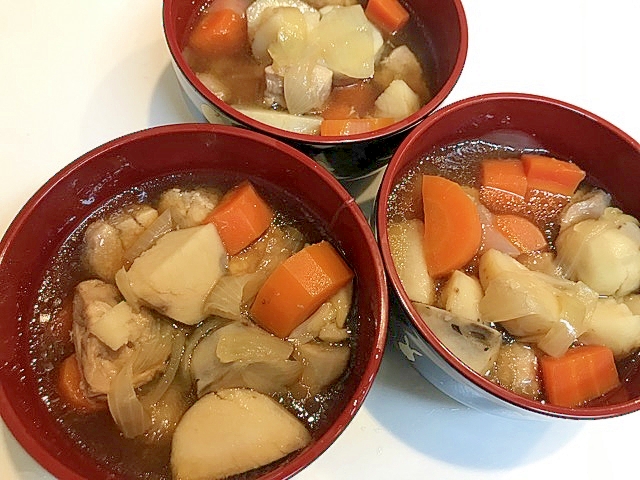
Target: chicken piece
{"points": [[141, 338], [517, 370], [274, 91], [231, 432], [402, 64], [188, 207], [106, 241], [584, 206], [323, 364]]}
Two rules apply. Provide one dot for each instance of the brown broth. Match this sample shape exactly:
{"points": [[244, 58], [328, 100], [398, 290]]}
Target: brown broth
{"points": [[95, 433], [244, 79]]}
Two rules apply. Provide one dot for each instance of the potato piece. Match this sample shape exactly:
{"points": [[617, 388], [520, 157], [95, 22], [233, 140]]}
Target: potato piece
{"points": [[613, 325], [461, 295], [405, 243], [517, 370], [493, 263], [176, 275], [397, 101], [231, 432]]}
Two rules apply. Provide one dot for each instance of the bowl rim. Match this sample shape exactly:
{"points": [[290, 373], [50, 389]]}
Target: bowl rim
{"points": [[317, 140], [396, 166], [48, 460]]}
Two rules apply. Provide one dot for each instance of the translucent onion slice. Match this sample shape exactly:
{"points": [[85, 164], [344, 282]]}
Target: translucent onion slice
{"points": [[125, 407], [162, 385], [231, 293], [161, 225]]}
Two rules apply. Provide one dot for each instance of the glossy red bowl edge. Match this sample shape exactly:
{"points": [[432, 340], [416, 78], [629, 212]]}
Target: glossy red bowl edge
{"points": [[569, 132], [451, 44], [59, 206]]}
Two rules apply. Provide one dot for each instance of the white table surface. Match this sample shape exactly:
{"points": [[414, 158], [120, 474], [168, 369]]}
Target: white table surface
{"points": [[77, 73]]}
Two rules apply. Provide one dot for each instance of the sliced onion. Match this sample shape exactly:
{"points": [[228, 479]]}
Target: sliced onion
{"points": [[125, 407], [231, 293], [160, 226], [162, 385], [123, 284], [204, 329], [558, 339]]}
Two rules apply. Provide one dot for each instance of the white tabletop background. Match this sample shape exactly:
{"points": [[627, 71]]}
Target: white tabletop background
{"points": [[77, 73]]}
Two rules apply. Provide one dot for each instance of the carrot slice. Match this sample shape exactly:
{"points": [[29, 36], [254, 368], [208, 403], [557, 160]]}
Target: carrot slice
{"points": [[352, 126], [241, 217], [219, 32], [452, 229], [388, 15], [353, 101], [298, 286], [582, 374], [504, 174], [525, 235], [69, 380], [552, 175]]}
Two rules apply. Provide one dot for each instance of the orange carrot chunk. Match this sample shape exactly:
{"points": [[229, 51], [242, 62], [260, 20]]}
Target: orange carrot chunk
{"points": [[298, 286], [582, 374], [388, 15], [219, 32], [452, 229], [504, 174], [552, 175], [241, 217], [525, 235], [69, 380], [353, 126]]}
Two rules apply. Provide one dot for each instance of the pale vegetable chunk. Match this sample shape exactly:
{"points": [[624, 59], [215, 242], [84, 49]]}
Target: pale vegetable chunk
{"points": [[260, 10], [461, 295], [306, 87], [517, 370], [604, 253], [397, 101], [348, 42], [405, 243], [231, 432], [475, 344], [176, 275], [323, 364], [309, 124], [189, 208], [402, 64], [614, 325]]}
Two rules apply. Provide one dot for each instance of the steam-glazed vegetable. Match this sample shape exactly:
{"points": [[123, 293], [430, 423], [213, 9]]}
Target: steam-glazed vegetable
{"points": [[208, 328], [287, 63], [537, 275]]}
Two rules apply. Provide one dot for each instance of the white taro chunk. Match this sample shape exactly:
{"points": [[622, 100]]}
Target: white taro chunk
{"points": [[406, 244], [397, 101], [604, 253], [233, 431], [176, 275], [614, 325], [461, 295]]}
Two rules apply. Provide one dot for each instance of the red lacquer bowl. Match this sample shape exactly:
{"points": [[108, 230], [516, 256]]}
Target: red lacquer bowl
{"points": [[611, 159], [443, 24], [203, 151]]}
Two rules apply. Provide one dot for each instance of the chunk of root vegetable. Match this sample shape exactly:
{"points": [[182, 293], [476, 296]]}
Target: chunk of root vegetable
{"points": [[231, 432]]}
